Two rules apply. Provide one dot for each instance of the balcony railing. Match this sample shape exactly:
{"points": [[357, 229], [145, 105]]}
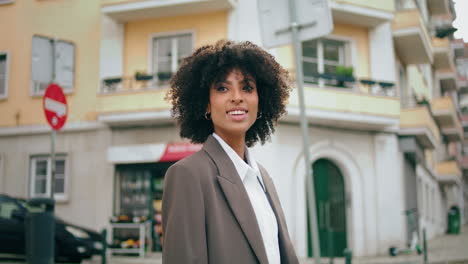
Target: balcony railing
{"points": [[135, 83], [368, 86]]}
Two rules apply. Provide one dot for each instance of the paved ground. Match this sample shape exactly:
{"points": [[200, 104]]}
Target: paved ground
{"points": [[446, 249]]}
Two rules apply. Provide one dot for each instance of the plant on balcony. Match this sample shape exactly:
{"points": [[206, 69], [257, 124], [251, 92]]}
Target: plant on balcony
{"points": [[111, 84], [464, 110], [111, 81], [452, 158], [164, 76], [143, 76], [386, 84], [344, 74], [442, 32], [367, 81], [422, 101]]}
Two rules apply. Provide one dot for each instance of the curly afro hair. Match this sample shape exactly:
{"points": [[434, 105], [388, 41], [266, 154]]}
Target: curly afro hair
{"points": [[189, 92]]}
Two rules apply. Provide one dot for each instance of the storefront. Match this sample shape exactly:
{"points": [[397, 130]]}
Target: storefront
{"points": [[138, 190]]}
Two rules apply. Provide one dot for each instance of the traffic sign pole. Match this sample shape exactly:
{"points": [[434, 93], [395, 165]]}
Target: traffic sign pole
{"points": [[54, 133], [310, 190], [52, 157]]}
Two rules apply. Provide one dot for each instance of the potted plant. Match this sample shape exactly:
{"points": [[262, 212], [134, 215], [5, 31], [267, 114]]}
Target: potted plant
{"points": [[164, 76], [113, 80], [423, 101], [143, 76], [344, 74]]}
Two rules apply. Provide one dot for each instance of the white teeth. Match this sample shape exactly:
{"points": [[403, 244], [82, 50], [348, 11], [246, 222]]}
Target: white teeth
{"points": [[237, 112]]}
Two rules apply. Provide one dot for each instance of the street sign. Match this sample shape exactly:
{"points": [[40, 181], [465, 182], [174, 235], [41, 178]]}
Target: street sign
{"points": [[314, 20], [55, 106]]}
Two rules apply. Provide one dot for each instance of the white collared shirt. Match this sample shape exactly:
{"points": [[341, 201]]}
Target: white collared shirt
{"points": [[253, 183]]}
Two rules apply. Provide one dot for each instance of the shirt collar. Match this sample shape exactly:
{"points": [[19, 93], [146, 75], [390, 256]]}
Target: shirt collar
{"points": [[241, 166]]}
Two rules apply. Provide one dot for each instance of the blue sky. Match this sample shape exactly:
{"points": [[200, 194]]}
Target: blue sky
{"points": [[461, 7]]}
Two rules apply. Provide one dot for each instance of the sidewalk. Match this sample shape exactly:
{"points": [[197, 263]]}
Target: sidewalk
{"points": [[445, 249]]}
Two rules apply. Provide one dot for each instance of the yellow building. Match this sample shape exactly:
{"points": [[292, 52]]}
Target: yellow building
{"points": [[380, 100]]}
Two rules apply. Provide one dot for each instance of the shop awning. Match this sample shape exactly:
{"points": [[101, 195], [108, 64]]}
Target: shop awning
{"points": [[148, 153]]}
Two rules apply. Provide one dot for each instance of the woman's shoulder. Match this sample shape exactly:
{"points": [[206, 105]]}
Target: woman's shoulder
{"points": [[198, 163]]}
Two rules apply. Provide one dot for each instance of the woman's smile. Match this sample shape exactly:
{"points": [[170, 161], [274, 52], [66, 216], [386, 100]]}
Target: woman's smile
{"points": [[237, 114]]}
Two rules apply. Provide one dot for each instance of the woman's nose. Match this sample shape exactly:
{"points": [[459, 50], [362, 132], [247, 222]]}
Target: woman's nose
{"points": [[237, 96]]}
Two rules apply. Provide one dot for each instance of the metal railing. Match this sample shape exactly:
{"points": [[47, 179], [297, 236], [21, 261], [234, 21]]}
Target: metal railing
{"points": [[365, 86], [134, 83]]}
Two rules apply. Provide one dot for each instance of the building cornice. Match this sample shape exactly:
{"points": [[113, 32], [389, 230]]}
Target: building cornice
{"points": [[43, 129]]}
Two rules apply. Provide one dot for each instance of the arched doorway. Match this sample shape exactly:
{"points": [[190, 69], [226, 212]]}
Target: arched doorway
{"points": [[331, 209]]}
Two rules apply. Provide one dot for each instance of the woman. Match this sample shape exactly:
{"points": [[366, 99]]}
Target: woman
{"points": [[219, 205]]}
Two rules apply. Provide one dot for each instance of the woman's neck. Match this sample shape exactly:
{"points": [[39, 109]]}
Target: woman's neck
{"points": [[237, 143]]}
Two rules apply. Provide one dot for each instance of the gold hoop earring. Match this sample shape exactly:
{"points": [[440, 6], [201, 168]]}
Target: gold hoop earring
{"points": [[207, 116]]}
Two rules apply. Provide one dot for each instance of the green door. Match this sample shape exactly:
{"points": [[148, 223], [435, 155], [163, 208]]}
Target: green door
{"points": [[331, 209]]}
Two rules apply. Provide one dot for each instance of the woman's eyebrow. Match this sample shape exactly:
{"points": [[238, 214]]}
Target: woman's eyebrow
{"points": [[223, 82], [248, 79], [245, 80]]}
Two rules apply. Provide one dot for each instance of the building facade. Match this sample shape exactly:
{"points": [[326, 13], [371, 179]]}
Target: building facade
{"points": [[381, 100]]}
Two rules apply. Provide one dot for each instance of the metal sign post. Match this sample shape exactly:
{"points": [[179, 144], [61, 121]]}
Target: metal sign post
{"points": [[310, 190], [56, 111], [54, 133], [52, 158], [306, 20]]}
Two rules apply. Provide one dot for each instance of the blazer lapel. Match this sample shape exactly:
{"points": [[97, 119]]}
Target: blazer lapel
{"points": [[237, 197], [285, 245]]}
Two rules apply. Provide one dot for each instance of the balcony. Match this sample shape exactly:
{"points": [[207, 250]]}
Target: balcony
{"points": [[462, 83], [458, 47], [448, 79], [449, 172], [130, 10], [129, 101], [464, 162], [438, 7], [139, 82], [443, 54], [446, 115], [361, 13], [417, 121], [412, 41], [345, 108]]}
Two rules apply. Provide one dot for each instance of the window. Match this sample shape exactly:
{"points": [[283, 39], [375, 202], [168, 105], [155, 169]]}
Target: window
{"points": [[168, 52], [3, 74], [41, 176], [45, 53], [323, 56], [4, 2]]}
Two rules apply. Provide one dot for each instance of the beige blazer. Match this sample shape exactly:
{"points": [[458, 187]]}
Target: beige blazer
{"points": [[207, 215]]}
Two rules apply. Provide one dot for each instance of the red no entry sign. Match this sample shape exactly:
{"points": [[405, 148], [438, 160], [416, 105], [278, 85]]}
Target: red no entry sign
{"points": [[55, 106]]}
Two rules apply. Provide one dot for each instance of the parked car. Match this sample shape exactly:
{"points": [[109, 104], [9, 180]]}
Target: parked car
{"points": [[72, 243]]}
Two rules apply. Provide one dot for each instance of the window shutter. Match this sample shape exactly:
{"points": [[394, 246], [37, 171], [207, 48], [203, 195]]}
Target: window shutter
{"points": [[41, 63], [65, 64]]}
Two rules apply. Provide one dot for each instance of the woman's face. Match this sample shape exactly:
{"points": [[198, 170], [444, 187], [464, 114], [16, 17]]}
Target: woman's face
{"points": [[233, 104]]}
